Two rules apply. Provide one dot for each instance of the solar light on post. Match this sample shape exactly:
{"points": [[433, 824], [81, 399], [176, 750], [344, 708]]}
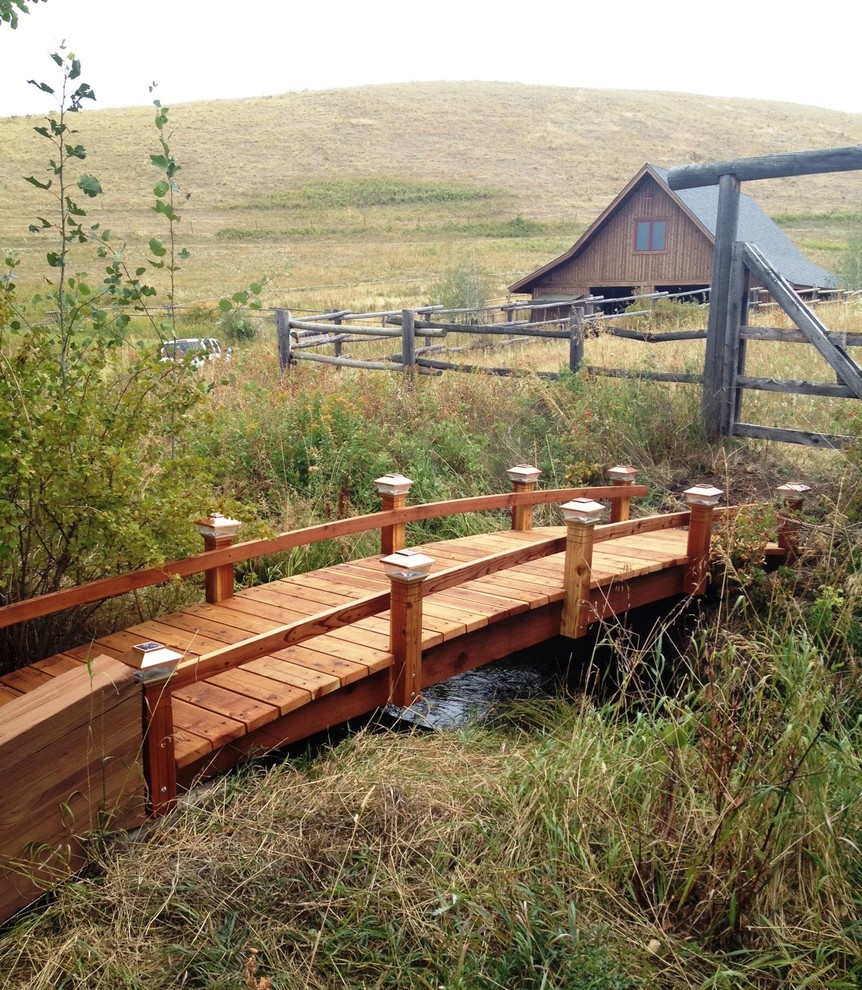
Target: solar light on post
{"points": [[793, 495], [406, 570], [154, 664], [702, 500], [393, 490], [623, 475], [523, 478], [218, 532], [581, 516]]}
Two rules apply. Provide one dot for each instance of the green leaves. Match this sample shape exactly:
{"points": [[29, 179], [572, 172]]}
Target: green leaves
{"points": [[89, 185], [157, 248], [37, 183]]}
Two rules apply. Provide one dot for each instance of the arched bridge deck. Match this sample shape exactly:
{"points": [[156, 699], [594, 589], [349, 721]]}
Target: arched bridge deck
{"points": [[98, 730]]}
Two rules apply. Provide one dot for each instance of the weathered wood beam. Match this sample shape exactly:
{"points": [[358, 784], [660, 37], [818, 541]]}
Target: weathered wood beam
{"points": [[768, 167], [806, 438], [795, 387], [797, 337], [681, 377]]}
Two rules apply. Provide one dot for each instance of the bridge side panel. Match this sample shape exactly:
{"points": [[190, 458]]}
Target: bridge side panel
{"points": [[70, 764]]}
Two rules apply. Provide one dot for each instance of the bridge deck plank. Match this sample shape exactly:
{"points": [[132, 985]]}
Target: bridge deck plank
{"points": [[221, 708]]}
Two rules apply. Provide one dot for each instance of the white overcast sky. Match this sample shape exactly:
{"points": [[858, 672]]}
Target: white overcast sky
{"points": [[206, 49]]}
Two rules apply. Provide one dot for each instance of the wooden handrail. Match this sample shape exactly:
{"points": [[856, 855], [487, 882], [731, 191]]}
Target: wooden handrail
{"points": [[296, 632], [57, 601]]}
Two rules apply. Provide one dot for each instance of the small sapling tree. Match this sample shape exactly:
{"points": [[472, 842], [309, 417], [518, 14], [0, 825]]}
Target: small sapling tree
{"points": [[96, 469]]}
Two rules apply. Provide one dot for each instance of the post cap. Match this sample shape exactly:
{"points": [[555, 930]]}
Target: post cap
{"points": [[793, 490], [703, 495], [217, 524], [582, 510], [523, 474], [151, 658], [407, 565], [393, 484], [623, 474]]}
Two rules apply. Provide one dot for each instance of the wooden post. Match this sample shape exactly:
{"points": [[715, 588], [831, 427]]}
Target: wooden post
{"points": [[406, 569], [702, 500], [282, 323], [218, 532], [622, 476], [734, 351], [154, 664], [793, 495], [581, 515], [393, 490], [408, 342], [523, 478], [338, 344], [725, 236], [576, 338], [160, 764]]}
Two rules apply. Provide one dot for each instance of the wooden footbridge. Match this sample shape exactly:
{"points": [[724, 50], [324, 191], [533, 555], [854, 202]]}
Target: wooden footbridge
{"points": [[104, 735]]}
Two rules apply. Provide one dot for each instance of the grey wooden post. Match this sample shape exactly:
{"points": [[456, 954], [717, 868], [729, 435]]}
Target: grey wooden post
{"points": [[576, 338], [408, 342], [733, 359], [282, 323], [725, 236]]}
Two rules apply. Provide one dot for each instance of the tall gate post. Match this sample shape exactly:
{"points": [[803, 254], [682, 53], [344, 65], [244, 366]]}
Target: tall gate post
{"points": [[406, 570], [719, 296], [581, 516]]}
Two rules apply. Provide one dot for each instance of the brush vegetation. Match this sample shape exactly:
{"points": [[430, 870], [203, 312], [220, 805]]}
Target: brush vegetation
{"points": [[688, 814]]}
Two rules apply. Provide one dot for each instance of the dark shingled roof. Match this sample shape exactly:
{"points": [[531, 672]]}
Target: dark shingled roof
{"points": [[756, 228]]}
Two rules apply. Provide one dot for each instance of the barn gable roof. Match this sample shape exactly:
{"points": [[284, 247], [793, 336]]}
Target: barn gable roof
{"points": [[701, 206]]}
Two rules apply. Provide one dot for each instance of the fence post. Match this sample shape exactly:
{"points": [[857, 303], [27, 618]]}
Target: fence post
{"points": [[623, 475], [523, 478], [218, 532], [406, 570], [154, 665], [408, 342], [793, 495], [576, 338], [393, 490], [702, 500], [722, 259], [581, 516], [282, 324]]}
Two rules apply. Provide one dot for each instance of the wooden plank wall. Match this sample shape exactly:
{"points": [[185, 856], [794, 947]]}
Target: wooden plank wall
{"points": [[610, 257], [62, 777]]}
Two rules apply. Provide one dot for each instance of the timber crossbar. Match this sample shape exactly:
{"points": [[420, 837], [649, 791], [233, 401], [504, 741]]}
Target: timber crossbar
{"points": [[101, 590]]}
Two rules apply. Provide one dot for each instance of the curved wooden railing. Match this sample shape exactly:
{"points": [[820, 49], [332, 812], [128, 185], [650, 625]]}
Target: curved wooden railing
{"points": [[105, 588]]}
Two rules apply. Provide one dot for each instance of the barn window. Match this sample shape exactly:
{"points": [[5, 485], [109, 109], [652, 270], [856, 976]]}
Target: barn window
{"points": [[651, 235]]}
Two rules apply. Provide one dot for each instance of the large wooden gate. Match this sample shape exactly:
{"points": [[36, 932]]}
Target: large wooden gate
{"points": [[734, 265]]}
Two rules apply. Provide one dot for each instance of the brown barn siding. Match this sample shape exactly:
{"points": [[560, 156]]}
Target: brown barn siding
{"points": [[610, 258]]}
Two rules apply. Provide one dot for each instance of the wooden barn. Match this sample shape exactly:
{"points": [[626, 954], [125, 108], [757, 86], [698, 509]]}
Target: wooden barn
{"points": [[653, 239]]}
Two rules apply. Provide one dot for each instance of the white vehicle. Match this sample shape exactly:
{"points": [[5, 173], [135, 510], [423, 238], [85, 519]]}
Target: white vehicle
{"points": [[196, 350]]}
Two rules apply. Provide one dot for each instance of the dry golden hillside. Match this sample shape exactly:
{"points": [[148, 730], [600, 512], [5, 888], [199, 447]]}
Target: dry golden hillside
{"points": [[364, 196]]}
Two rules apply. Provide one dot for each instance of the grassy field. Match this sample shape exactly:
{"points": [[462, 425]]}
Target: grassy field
{"points": [[508, 174], [687, 817]]}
